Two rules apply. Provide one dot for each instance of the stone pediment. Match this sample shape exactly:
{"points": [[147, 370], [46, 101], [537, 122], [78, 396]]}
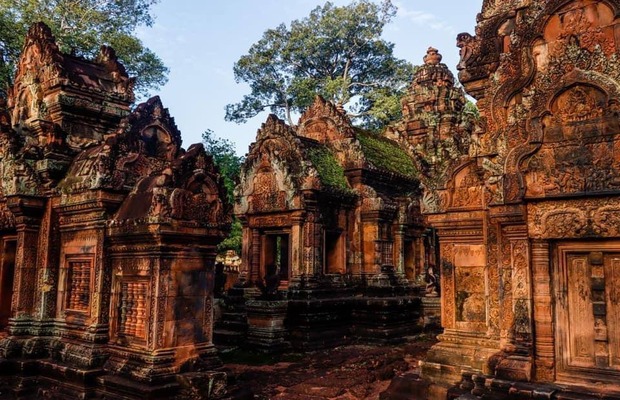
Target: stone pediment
{"points": [[324, 122], [147, 143], [55, 91]]}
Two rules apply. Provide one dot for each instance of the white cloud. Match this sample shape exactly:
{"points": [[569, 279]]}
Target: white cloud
{"points": [[424, 19]]}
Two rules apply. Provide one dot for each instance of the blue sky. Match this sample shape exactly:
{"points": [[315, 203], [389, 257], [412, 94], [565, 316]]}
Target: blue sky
{"points": [[201, 40]]}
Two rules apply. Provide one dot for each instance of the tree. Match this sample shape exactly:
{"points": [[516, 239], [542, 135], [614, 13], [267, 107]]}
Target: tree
{"points": [[81, 27], [225, 158], [229, 164], [336, 52]]}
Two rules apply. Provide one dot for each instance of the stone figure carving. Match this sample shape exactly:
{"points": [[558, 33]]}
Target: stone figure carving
{"points": [[466, 43]]}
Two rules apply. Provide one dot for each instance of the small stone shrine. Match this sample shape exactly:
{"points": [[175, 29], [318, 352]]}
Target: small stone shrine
{"points": [[108, 231], [335, 211]]}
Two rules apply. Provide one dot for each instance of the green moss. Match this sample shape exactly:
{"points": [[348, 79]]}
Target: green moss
{"points": [[385, 154], [330, 171]]}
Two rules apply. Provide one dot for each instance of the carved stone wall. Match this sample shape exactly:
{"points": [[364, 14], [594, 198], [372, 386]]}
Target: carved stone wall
{"points": [[539, 180]]}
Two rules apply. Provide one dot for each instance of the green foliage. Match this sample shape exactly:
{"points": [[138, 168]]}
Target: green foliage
{"points": [[229, 164], [471, 112], [384, 154], [336, 52], [224, 156], [81, 27], [330, 171], [234, 239]]}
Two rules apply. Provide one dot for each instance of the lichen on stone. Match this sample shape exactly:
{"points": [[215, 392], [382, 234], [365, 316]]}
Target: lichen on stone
{"points": [[385, 154], [331, 173]]}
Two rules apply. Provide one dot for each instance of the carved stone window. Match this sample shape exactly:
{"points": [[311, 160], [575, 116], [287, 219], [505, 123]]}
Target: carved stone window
{"points": [[79, 273], [132, 311], [386, 245]]}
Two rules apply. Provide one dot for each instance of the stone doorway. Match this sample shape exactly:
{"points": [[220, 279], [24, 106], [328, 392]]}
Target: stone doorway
{"points": [[588, 312], [8, 246], [334, 252], [276, 247]]}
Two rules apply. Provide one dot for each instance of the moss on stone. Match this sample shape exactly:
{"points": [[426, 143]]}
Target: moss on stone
{"points": [[385, 154], [330, 171]]}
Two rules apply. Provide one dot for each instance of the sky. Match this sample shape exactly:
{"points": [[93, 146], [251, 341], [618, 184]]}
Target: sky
{"points": [[200, 40]]}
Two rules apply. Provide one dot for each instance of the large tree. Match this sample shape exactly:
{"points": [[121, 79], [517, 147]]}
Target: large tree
{"points": [[336, 52], [229, 164], [81, 27], [225, 158]]}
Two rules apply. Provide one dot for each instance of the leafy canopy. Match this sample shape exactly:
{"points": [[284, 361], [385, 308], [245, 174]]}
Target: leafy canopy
{"points": [[336, 52], [225, 158], [229, 164], [81, 27]]}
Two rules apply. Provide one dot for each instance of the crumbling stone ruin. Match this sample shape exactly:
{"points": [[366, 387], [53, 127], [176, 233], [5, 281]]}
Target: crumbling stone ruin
{"points": [[108, 231]]}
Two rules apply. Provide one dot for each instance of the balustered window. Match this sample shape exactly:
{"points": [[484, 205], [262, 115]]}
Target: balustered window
{"points": [[387, 252], [78, 285], [386, 244], [132, 312]]}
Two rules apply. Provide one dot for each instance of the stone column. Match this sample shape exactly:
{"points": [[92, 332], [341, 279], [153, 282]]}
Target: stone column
{"points": [[297, 245], [544, 343], [28, 212], [517, 304], [256, 247], [309, 244], [246, 235], [399, 249]]}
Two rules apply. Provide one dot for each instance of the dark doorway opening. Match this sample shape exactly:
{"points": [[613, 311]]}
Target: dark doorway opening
{"points": [[276, 252], [8, 246]]}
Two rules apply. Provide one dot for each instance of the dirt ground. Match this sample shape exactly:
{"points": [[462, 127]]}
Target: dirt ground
{"points": [[344, 373]]}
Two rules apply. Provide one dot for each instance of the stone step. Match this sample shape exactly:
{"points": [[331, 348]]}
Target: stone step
{"points": [[231, 316], [228, 337]]}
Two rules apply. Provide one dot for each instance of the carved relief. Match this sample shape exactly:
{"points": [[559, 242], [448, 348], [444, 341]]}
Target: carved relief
{"points": [[467, 192], [267, 195], [470, 266], [574, 218]]}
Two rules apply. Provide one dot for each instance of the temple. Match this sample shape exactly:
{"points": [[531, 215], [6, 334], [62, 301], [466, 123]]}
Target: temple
{"points": [[333, 211], [498, 221], [526, 215], [107, 236]]}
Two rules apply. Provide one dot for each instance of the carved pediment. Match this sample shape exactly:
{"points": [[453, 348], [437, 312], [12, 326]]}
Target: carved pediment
{"points": [[324, 122], [189, 189]]}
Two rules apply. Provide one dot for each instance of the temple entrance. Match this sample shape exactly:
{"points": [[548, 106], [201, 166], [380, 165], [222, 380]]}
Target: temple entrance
{"points": [[276, 252], [409, 249], [333, 256], [8, 247], [588, 311]]}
